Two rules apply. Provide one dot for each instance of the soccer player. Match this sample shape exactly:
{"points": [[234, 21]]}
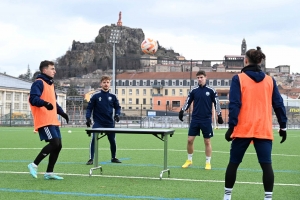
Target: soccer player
{"points": [[102, 104], [251, 98], [44, 109], [203, 97]]}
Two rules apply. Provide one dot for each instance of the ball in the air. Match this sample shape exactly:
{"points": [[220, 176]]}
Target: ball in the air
{"points": [[149, 46], [69, 131]]}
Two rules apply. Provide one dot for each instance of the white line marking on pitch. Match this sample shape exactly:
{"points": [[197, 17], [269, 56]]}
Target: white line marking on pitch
{"points": [[120, 149], [153, 178]]}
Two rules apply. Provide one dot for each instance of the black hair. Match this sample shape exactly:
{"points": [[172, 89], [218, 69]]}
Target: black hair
{"points": [[45, 64], [255, 56], [201, 73]]}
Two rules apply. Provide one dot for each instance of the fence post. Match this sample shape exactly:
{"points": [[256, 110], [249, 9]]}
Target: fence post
{"points": [[10, 114], [141, 116]]}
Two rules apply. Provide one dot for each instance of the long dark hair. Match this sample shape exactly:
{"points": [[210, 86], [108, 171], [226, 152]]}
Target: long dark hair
{"points": [[255, 56]]}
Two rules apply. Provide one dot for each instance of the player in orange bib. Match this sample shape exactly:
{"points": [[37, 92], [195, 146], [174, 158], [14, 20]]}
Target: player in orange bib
{"points": [[44, 109], [252, 96]]}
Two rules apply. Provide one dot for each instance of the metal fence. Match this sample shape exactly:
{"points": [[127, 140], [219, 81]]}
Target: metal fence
{"points": [[146, 118]]}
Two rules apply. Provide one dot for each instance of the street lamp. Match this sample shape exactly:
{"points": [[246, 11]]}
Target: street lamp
{"points": [[115, 37]]}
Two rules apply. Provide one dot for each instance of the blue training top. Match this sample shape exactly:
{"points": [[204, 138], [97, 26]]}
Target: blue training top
{"points": [[203, 98], [102, 104]]}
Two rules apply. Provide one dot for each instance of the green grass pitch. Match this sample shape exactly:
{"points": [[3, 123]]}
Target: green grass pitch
{"points": [[137, 177]]}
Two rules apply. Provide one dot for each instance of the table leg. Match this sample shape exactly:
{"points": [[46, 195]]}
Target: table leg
{"points": [[96, 162], [165, 158]]}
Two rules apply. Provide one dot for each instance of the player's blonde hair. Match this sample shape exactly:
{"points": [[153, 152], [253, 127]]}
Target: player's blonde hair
{"points": [[105, 77]]}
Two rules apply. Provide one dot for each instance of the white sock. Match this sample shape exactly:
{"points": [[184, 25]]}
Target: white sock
{"points": [[268, 195], [49, 173], [34, 165], [208, 159], [190, 157], [227, 195]]}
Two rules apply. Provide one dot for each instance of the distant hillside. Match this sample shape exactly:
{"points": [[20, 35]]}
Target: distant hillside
{"points": [[84, 58]]}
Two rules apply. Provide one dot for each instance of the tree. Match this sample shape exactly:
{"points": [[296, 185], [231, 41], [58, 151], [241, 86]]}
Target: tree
{"points": [[72, 91], [28, 74]]}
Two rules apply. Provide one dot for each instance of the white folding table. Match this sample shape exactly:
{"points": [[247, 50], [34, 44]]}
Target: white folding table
{"points": [[161, 134]]}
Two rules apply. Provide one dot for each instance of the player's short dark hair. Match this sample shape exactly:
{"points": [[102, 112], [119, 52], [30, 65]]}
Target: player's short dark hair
{"points": [[45, 64], [201, 72]]}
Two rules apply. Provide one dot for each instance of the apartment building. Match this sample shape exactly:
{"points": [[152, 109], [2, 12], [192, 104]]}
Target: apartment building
{"points": [[14, 94], [164, 90]]}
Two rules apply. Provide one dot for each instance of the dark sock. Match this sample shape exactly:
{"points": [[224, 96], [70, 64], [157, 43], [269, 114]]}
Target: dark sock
{"points": [[230, 175], [268, 176]]}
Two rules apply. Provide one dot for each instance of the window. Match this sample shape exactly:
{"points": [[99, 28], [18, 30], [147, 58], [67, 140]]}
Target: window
{"points": [[144, 92], [167, 103], [130, 91], [130, 100], [137, 83], [16, 106], [123, 83], [180, 83], [187, 91], [130, 83], [166, 91], [173, 92], [137, 92], [137, 101], [173, 83], [210, 82], [180, 91], [188, 83], [25, 106], [151, 91], [226, 83], [158, 103], [218, 82], [8, 96], [175, 103], [144, 101], [150, 100], [116, 91], [144, 83], [123, 91], [123, 101], [17, 96], [7, 105], [137, 108], [129, 108]]}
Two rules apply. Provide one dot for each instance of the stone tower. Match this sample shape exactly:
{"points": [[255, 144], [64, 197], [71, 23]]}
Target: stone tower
{"points": [[243, 47]]}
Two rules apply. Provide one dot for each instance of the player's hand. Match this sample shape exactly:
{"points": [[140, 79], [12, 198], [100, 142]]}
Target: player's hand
{"points": [[181, 115], [64, 115], [117, 118], [228, 134], [282, 133], [48, 105], [88, 122], [220, 119]]}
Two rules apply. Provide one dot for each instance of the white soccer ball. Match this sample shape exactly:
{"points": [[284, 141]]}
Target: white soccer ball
{"points": [[149, 46], [69, 131]]}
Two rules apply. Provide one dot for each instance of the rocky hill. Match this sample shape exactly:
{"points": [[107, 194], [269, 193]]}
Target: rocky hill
{"points": [[84, 58]]}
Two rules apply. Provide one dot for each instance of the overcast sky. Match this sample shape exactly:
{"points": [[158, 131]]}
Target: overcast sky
{"points": [[36, 30]]}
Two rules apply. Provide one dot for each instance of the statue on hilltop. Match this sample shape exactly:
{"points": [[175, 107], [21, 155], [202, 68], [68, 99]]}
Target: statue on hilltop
{"points": [[119, 23]]}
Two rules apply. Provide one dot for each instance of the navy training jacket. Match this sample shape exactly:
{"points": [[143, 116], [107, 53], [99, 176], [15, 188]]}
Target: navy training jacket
{"points": [[255, 73], [203, 98], [37, 89], [101, 105]]}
